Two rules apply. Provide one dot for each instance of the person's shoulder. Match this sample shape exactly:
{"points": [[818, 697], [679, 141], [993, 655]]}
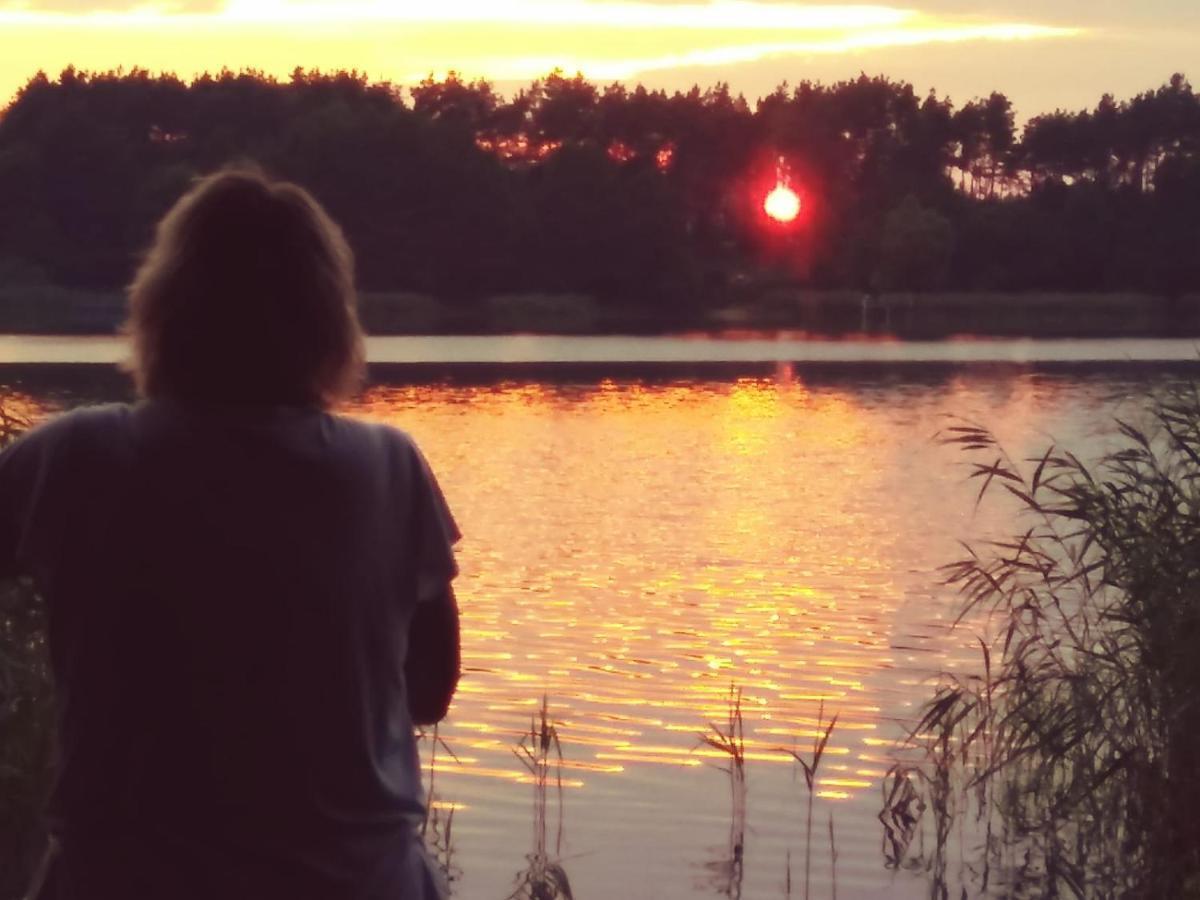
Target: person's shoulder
{"points": [[100, 416], [378, 439], [80, 423], [69, 443], [382, 433]]}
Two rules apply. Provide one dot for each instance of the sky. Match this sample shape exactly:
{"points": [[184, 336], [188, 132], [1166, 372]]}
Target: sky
{"points": [[1044, 54]]}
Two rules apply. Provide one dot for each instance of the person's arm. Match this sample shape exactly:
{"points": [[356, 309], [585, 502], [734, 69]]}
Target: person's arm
{"points": [[433, 664]]}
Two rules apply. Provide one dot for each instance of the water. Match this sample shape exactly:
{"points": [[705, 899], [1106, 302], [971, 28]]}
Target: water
{"points": [[636, 543]]}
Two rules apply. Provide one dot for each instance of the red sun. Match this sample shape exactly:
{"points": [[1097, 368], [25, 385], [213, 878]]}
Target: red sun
{"points": [[782, 204]]}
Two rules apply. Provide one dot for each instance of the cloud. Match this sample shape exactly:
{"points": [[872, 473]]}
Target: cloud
{"points": [[79, 7], [1030, 73], [634, 14], [515, 67], [1117, 14], [513, 40], [613, 36]]}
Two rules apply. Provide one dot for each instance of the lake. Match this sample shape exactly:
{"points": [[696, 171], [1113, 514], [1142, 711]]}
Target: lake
{"points": [[649, 523]]}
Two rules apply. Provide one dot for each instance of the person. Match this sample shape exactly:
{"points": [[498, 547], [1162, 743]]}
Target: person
{"points": [[249, 597]]}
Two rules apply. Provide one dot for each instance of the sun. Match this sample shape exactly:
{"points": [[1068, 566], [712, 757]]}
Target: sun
{"points": [[782, 204]]}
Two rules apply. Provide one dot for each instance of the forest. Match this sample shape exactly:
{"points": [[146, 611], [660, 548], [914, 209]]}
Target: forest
{"points": [[620, 194]]}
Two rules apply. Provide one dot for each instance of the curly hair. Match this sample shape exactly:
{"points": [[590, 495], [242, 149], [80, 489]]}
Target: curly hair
{"points": [[246, 297]]}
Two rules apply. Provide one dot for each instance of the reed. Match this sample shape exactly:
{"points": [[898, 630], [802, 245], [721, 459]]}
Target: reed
{"points": [[12, 425], [437, 829], [1075, 753], [810, 766], [540, 751], [26, 716], [729, 740], [833, 858]]}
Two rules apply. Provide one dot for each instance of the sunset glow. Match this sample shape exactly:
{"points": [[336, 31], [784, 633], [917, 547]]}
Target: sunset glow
{"points": [[509, 43], [782, 204], [721, 14]]}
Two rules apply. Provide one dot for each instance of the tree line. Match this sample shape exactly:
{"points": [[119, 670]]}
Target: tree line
{"points": [[622, 194]]}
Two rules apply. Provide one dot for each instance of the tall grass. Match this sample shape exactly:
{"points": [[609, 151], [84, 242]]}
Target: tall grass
{"points": [[437, 830], [729, 739], [1075, 755], [26, 717], [810, 767], [540, 751]]}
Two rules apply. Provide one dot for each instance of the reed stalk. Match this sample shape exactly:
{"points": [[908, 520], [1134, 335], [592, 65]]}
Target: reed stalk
{"points": [[540, 752], [26, 716], [833, 858], [810, 767], [729, 740], [437, 829]]}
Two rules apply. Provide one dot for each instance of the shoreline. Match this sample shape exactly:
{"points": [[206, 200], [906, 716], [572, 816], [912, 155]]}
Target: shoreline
{"points": [[817, 315]]}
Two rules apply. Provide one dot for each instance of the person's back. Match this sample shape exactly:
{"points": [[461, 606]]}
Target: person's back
{"points": [[231, 589]]}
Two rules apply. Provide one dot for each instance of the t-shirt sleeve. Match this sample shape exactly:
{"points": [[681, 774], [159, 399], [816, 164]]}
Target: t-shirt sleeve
{"points": [[433, 530]]}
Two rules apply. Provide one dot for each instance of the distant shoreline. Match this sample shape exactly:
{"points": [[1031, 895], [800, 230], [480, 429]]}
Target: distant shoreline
{"points": [[52, 310]]}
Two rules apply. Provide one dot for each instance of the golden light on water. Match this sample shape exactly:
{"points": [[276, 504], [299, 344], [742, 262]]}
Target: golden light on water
{"points": [[637, 561], [632, 549]]}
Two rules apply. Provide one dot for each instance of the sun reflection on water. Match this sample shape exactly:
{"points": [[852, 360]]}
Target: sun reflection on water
{"points": [[632, 549]]}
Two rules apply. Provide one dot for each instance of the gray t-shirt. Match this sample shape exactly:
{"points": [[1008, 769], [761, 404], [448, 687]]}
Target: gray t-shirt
{"points": [[229, 596]]}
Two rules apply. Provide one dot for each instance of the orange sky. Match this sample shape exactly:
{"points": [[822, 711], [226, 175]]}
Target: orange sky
{"points": [[1043, 55]]}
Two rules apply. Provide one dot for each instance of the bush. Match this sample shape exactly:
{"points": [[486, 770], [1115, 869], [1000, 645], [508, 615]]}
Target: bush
{"points": [[50, 309], [915, 250], [548, 313], [400, 313], [14, 271], [808, 309]]}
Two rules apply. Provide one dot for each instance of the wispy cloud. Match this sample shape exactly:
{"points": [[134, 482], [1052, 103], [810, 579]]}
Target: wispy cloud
{"points": [[518, 67], [87, 7], [717, 14]]}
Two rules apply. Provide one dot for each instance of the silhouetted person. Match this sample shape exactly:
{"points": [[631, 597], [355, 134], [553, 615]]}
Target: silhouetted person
{"points": [[249, 597]]}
